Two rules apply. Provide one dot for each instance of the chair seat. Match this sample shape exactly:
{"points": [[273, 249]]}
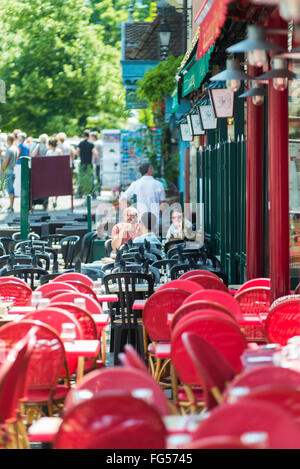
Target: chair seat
{"points": [[42, 395], [198, 393], [160, 349]]}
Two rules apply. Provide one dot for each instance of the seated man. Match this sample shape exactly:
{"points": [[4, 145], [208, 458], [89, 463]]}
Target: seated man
{"points": [[123, 231], [146, 229]]}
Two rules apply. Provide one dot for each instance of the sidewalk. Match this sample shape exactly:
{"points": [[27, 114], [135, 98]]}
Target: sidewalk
{"points": [[63, 206]]}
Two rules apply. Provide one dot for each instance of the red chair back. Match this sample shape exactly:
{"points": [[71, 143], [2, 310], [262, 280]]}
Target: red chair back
{"points": [[48, 356], [210, 366], [109, 419], [92, 306], [51, 287], [82, 288], [185, 285], [192, 273], [13, 373], [13, 279], [217, 296], [283, 320], [86, 321], [209, 282], [254, 300], [120, 378], [16, 292], [255, 282], [188, 308], [76, 276], [157, 309], [222, 333], [252, 416], [55, 317], [281, 395], [131, 358]]}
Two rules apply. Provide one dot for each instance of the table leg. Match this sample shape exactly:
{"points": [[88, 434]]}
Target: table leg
{"points": [[103, 345], [80, 368]]}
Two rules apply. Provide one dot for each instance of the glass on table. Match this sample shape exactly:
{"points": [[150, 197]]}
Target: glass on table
{"points": [[80, 302], [35, 298], [68, 333]]}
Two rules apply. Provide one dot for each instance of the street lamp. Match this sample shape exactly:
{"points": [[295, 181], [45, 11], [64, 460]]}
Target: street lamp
{"points": [[164, 39], [280, 74], [232, 75], [257, 93], [256, 46]]}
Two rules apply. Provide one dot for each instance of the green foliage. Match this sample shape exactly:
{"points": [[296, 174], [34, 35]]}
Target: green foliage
{"points": [[160, 81], [59, 73], [111, 13]]}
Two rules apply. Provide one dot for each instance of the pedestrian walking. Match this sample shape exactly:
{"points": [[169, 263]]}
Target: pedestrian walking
{"points": [[86, 150], [149, 192], [8, 169], [97, 158]]}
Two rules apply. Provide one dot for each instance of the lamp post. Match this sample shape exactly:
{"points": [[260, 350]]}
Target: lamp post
{"points": [[164, 39]]}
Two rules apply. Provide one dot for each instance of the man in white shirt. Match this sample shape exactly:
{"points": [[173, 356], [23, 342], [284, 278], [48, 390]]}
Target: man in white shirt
{"points": [[149, 192]]}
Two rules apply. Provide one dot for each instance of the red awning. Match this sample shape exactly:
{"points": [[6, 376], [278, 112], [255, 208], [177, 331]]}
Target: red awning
{"points": [[210, 19]]}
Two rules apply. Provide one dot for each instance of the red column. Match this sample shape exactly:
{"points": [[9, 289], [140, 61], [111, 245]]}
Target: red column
{"points": [[254, 187], [278, 181], [187, 175]]}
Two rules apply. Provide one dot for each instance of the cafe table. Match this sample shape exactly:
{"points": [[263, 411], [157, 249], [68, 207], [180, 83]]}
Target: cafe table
{"points": [[45, 429], [81, 349]]}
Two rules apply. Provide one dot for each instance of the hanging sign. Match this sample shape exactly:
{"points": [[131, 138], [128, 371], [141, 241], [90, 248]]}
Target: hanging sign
{"points": [[211, 19]]}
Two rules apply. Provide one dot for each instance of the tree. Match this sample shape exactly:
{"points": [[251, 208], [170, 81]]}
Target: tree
{"points": [[58, 72]]}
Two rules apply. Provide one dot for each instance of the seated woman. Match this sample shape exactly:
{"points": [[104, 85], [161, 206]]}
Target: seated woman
{"points": [[178, 229], [125, 230], [147, 229]]}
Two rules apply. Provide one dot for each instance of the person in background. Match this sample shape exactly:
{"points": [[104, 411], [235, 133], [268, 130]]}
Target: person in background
{"points": [[86, 150], [64, 145], [97, 158], [178, 228], [23, 146], [53, 149], [147, 226], [8, 169], [42, 147], [125, 230], [149, 192]]}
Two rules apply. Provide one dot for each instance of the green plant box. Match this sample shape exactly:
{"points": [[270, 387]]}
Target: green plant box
{"points": [[98, 250]]}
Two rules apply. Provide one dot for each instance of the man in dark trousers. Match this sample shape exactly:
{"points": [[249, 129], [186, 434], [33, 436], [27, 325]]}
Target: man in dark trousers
{"points": [[86, 150]]}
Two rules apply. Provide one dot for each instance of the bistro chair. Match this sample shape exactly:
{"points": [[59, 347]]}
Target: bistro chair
{"points": [[262, 376], [82, 288], [254, 300], [185, 285], [121, 378], [198, 306], [126, 327], [210, 365], [31, 275], [13, 377], [92, 424], [217, 296], [209, 282], [46, 362], [70, 250], [172, 243], [53, 287], [55, 318], [283, 320], [131, 358], [75, 276], [91, 305], [255, 282], [157, 313], [251, 415], [15, 293], [8, 243]]}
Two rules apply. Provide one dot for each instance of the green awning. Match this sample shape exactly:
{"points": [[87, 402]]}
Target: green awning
{"points": [[174, 97], [195, 75]]}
